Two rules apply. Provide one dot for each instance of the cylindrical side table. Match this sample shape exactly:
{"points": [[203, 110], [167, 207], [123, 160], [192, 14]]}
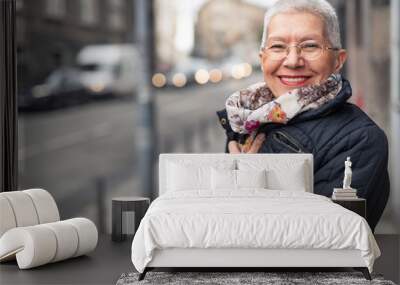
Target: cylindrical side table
{"points": [[125, 205]]}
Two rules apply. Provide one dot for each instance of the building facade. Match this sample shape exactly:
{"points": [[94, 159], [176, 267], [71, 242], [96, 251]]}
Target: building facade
{"points": [[51, 32], [229, 27], [366, 26]]}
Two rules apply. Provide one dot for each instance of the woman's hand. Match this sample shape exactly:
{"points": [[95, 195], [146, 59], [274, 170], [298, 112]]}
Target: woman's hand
{"points": [[251, 146]]}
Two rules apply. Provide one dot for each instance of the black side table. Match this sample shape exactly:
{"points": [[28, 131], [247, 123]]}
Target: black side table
{"points": [[357, 205], [122, 209]]}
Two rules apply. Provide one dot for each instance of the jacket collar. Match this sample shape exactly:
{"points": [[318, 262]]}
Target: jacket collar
{"points": [[329, 107]]}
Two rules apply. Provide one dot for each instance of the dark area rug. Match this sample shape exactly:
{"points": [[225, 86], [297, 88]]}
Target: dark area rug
{"points": [[228, 278]]}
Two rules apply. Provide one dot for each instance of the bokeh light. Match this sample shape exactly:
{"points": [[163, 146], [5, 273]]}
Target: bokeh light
{"points": [[201, 76], [215, 75], [179, 79], [159, 80], [247, 69], [237, 71]]}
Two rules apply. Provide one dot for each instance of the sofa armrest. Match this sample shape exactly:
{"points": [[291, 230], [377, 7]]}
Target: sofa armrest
{"points": [[33, 246]]}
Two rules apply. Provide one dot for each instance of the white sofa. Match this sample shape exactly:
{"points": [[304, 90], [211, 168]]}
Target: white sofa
{"points": [[31, 231], [286, 172]]}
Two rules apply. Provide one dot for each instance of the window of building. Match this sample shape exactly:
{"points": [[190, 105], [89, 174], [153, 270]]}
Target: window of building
{"points": [[89, 11], [19, 4], [55, 8], [116, 14], [359, 23]]}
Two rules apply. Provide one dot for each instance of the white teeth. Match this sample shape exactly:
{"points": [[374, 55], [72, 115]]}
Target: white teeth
{"points": [[294, 80]]}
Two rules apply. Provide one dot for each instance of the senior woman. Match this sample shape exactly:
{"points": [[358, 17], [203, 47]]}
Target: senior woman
{"points": [[301, 107]]}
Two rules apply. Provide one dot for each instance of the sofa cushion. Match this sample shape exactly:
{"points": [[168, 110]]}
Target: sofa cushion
{"points": [[7, 220], [23, 208], [45, 243], [26, 208], [45, 205]]}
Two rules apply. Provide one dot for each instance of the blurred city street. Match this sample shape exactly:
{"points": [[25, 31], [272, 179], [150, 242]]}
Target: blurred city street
{"points": [[79, 73], [82, 122], [86, 153], [99, 88]]}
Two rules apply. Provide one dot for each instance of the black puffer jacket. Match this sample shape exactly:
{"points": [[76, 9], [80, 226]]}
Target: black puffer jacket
{"points": [[331, 133]]}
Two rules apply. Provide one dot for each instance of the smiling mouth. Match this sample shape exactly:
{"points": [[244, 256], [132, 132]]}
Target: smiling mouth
{"points": [[296, 81]]}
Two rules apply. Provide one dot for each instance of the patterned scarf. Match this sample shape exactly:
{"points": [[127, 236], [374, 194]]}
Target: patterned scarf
{"points": [[247, 109]]}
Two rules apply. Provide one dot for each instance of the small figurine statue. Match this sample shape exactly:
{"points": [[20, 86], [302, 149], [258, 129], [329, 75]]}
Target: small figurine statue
{"points": [[347, 174]]}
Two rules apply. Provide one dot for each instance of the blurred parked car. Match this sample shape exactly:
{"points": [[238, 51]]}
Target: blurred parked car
{"points": [[109, 69], [61, 88]]}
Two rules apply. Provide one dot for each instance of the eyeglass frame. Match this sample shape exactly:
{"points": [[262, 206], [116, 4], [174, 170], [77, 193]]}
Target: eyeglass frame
{"points": [[323, 47]]}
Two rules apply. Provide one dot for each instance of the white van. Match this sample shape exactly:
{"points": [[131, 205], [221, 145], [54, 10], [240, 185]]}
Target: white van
{"points": [[109, 69]]}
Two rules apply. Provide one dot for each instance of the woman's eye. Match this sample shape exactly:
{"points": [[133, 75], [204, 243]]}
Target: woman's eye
{"points": [[277, 47], [310, 46]]}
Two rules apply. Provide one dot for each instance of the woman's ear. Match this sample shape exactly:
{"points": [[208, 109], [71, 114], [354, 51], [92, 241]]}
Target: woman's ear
{"points": [[340, 59]]}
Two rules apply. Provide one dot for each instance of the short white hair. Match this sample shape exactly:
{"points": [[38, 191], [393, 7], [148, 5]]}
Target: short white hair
{"points": [[320, 8]]}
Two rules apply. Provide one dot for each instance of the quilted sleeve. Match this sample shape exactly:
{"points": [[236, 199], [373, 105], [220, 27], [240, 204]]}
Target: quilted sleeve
{"points": [[368, 149], [230, 134]]}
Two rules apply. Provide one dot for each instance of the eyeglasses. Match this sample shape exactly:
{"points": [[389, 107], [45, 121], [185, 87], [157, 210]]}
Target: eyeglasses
{"points": [[307, 50]]}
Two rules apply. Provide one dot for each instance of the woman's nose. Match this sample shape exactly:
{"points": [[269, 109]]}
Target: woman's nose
{"points": [[293, 59]]}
